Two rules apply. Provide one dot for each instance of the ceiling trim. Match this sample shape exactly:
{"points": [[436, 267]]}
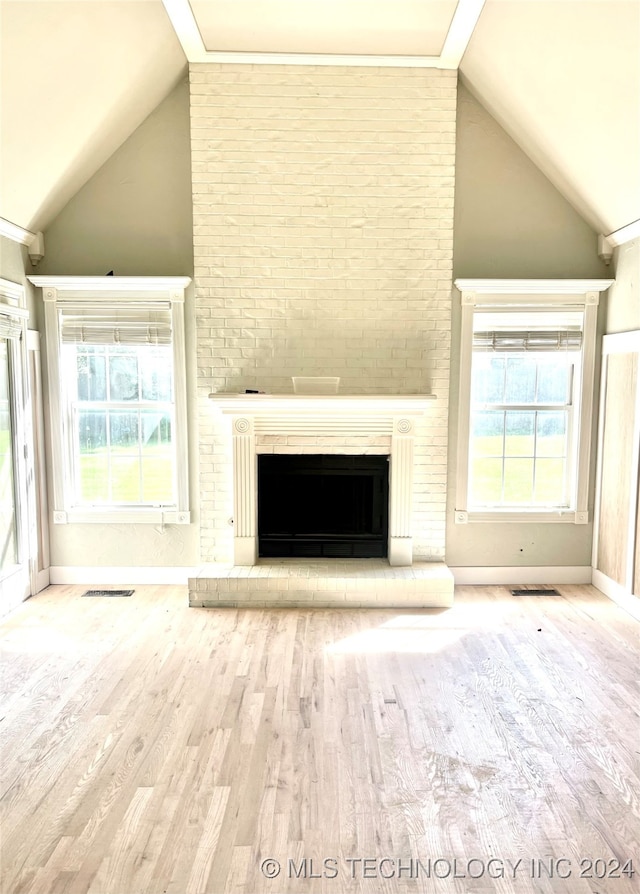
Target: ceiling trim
{"points": [[606, 244], [458, 36], [460, 32], [16, 233], [624, 234]]}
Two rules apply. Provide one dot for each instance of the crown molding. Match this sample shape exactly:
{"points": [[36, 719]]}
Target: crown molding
{"points": [[533, 286], [111, 283], [12, 291]]}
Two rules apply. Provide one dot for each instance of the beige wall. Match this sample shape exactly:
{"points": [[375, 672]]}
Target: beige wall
{"points": [[510, 221], [15, 266], [134, 217]]}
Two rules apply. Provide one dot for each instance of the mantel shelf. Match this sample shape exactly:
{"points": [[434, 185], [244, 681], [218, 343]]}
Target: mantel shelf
{"points": [[263, 404]]}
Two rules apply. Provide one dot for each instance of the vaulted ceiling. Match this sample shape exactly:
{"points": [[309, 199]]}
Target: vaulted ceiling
{"points": [[561, 76]]}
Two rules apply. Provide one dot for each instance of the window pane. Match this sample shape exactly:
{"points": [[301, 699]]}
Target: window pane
{"points": [[520, 387], [124, 456], [157, 477], [550, 482], [124, 431], [155, 373], [92, 374], [93, 458], [488, 378], [552, 434], [518, 481], [156, 428], [94, 477], [486, 481], [486, 433], [123, 374], [92, 430], [125, 479], [520, 427], [554, 380]]}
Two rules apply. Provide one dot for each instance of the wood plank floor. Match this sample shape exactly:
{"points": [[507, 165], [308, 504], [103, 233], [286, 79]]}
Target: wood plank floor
{"points": [[152, 748]]}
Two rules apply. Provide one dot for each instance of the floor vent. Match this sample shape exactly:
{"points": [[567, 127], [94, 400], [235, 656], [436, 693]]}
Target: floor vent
{"points": [[535, 592], [108, 593]]}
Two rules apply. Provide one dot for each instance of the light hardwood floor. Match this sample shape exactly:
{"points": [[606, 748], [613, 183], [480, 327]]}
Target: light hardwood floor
{"points": [[151, 747]]}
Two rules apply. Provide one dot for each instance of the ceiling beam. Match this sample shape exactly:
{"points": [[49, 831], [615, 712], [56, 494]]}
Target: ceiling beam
{"points": [[460, 32], [458, 36], [184, 24]]}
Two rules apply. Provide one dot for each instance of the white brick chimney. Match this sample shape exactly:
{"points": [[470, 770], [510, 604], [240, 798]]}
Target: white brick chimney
{"points": [[323, 238]]}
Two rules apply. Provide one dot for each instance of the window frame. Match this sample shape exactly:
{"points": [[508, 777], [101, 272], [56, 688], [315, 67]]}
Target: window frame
{"points": [[56, 291], [523, 296]]}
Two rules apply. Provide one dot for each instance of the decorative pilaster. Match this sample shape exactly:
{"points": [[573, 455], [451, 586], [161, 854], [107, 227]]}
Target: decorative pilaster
{"points": [[400, 492], [244, 492]]}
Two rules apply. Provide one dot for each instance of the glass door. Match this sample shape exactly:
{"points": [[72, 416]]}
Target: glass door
{"points": [[16, 475], [8, 520]]}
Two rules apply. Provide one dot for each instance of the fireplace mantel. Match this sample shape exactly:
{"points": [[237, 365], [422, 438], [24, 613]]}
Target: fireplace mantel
{"points": [[390, 416], [315, 404]]}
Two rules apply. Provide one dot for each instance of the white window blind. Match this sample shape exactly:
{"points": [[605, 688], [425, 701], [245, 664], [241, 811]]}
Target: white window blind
{"points": [[126, 324], [534, 340], [10, 327]]}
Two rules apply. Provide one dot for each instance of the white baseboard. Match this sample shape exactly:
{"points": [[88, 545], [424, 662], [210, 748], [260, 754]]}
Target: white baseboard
{"points": [[617, 593], [140, 574], [521, 574]]}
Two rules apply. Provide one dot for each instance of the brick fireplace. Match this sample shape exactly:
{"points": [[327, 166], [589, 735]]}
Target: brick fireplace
{"points": [[383, 425], [323, 236]]}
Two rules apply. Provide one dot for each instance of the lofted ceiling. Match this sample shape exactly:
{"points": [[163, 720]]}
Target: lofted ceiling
{"points": [[401, 27], [561, 76]]}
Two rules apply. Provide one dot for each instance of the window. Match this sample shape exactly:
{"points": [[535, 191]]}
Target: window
{"points": [[122, 417], [115, 354], [526, 393]]}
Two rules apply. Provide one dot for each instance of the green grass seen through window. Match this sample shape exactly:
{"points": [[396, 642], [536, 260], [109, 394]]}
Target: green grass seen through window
{"points": [[155, 464], [527, 481]]}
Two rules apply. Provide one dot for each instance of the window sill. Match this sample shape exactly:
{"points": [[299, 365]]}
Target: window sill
{"points": [[533, 516], [119, 516]]}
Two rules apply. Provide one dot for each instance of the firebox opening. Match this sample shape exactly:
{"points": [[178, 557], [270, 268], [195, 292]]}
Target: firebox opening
{"points": [[323, 505]]}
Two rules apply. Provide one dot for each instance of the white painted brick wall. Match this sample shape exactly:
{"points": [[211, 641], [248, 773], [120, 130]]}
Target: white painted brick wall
{"points": [[323, 240]]}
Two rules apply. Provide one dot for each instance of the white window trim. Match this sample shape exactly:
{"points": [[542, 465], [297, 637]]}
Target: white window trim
{"points": [[55, 291], [532, 294]]}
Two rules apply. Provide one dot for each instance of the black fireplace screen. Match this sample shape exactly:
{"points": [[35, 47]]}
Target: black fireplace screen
{"points": [[323, 505]]}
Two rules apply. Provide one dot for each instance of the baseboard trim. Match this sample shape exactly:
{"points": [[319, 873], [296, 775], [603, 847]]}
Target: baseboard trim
{"points": [[617, 593], [140, 574], [521, 574]]}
